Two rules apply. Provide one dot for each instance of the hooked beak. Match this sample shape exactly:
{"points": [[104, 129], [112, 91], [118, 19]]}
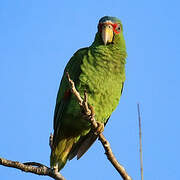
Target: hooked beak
{"points": [[107, 33]]}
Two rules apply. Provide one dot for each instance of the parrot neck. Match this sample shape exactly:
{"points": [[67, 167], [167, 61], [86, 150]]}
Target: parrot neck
{"points": [[113, 52], [118, 41]]}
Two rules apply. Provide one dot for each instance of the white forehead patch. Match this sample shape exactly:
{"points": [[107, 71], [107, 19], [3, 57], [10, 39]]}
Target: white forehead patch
{"points": [[108, 21]]}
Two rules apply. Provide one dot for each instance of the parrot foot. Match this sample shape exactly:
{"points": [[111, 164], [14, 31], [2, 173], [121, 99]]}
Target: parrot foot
{"points": [[100, 126], [51, 141], [55, 168], [88, 116], [99, 129]]}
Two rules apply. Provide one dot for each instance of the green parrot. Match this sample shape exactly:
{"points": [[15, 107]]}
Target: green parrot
{"points": [[100, 71]]}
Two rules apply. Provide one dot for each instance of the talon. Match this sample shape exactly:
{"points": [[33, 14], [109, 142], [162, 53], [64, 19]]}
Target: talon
{"points": [[99, 129], [86, 116], [55, 168], [92, 111]]}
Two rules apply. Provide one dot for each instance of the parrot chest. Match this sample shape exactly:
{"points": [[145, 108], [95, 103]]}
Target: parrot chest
{"points": [[102, 77]]}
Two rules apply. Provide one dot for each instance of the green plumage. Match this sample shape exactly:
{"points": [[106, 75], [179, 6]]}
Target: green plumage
{"points": [[100, 70]]}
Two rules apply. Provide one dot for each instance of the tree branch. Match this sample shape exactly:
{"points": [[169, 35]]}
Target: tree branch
{"points": [[32, 167], [88, 111]]}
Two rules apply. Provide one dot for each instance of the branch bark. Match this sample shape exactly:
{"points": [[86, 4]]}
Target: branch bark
{"points": [[90, 113], [32, 167]]}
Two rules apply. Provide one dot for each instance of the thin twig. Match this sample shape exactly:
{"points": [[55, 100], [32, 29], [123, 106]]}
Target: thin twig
{"points": [[90, 113], [85, 104], [140, 140], [73, 89], [39, 169]]}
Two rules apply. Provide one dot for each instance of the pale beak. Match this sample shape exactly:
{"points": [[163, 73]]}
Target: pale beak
{"points": [[107, 33]]}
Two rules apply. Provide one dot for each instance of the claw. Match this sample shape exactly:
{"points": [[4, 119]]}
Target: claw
{"points": [[92, 111], [55, 168], [100, 126], [99, 129], [88, 116]]}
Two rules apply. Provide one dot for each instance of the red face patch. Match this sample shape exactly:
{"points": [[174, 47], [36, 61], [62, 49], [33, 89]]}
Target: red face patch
{"points": [[116, 27]]}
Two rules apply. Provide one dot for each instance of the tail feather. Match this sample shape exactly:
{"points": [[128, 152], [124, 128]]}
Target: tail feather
{"points": [[82, 145], [60, 153], [68, 148], [86, 145]]}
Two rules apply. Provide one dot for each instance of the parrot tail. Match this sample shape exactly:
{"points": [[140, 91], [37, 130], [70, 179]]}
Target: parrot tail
{"points": [[59, 154]]}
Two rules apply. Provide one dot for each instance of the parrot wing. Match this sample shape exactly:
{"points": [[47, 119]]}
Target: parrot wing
{"points": [[64, 93]]}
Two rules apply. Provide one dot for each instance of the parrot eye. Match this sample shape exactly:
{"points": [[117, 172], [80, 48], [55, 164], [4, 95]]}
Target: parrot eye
{"points": [[118, 29]]}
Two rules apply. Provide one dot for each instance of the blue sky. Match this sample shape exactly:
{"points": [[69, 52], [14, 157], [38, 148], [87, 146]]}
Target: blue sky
{"points": [[37, 38]]}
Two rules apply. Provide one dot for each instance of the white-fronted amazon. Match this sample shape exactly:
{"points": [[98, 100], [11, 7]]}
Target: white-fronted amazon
{"points": [[100, 71]]}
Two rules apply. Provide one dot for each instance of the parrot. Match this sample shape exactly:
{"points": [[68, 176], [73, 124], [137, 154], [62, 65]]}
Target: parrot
{"points": [[100, 71]]}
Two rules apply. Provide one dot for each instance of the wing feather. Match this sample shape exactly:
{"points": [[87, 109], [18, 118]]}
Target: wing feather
{"points": [[74, 70]]}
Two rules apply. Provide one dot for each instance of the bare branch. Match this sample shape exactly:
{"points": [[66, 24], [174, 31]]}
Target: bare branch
{"points": [[90, 113], [140, 140], [85, 104], [113, 159], [73, 89], [39, 169]]}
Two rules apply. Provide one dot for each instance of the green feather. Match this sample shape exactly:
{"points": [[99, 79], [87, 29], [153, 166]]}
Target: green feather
{"points": [[100, 70]]}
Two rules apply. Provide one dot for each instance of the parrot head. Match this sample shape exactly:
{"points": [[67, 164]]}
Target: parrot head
{"points": [[110, 29]]}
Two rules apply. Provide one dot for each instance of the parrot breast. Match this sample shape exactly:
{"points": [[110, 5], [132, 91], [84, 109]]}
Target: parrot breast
{"points": [[103, 74]]}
